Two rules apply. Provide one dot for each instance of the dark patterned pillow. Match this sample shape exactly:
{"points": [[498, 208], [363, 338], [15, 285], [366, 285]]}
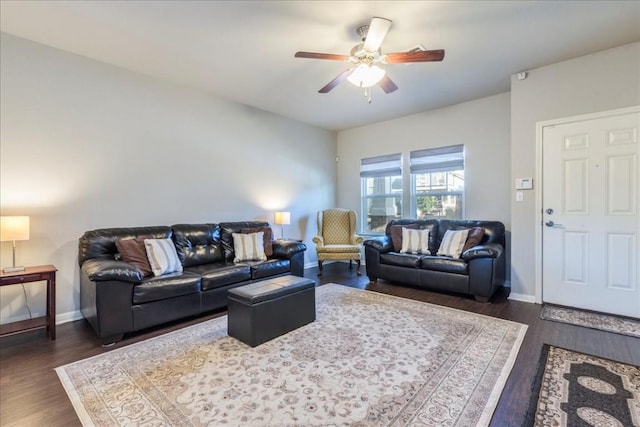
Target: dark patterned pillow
{"points": [[474, 238], [395, 231], [268, 238], [134, 252]]}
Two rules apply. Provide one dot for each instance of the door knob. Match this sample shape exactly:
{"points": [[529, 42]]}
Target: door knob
{"points": [[553, 224]]}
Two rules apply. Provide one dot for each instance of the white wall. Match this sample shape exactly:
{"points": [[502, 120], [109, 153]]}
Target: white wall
{"points": [[481, 125], [86, 145], [598, 82]]}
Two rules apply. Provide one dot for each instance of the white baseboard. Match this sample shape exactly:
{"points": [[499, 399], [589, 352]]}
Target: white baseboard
{"points": [[522, 297], [69, 316]]}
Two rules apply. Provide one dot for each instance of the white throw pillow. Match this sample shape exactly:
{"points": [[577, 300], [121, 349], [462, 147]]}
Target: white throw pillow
{"points": [[249, 247], [415, 241], [163, 257], [453, 242]]}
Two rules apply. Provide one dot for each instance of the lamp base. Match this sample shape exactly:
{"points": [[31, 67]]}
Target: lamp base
{"points": [[12, 269]]}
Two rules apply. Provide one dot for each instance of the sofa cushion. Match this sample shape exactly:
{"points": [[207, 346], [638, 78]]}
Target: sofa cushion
{"points": [[474, 238], [167, 286], [162, 256], [453, 242], [400, 260], [221, 274], [444, 264], [197, 243], [226, 234], [415, 241], [268, 237], [395, 232], [134, 252], [249, 247]]}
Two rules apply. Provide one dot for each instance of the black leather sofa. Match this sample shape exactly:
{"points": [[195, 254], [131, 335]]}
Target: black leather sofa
{"points": [[116, 298], [479, 271]]}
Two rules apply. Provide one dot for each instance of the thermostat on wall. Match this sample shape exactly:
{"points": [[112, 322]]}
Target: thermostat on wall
{"points": [[524, 184]]}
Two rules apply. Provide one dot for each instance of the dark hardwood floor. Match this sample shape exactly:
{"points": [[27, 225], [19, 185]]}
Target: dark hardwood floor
{"points": [[31, 394]]}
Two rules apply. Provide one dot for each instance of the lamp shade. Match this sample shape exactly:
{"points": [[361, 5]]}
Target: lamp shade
{"points": [[366, 75], [14, 228], [282, 218]]}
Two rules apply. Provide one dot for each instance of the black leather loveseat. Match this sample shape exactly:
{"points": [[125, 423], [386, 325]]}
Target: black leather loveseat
{"points": [[479, 271], [116, 298]]}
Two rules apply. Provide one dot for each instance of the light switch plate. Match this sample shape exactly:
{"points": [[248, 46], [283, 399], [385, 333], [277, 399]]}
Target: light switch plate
{"points": [[519, 196]]}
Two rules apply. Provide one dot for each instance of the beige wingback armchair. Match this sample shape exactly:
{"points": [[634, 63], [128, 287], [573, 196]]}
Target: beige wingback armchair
{"points": [[337, 238]]}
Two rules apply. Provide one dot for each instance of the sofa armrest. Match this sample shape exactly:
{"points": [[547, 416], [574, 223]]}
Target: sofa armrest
{"points": [[488, 250], [285, 249], [101, 270], [382, 244]]}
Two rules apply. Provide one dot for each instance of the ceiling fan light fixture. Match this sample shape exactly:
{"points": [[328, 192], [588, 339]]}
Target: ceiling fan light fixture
{"points": [[366, 75]]}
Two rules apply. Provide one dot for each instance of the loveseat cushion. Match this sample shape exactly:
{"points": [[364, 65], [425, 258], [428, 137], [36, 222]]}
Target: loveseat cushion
{"points": [[221, 274], [197, 244], [167, 286], [400, 260], [444, 264]]}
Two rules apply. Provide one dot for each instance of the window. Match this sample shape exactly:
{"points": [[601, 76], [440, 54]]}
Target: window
{"points": [[437, 182], [381, 191]]}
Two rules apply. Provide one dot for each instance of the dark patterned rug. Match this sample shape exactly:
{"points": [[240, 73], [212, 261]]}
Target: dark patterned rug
{"points": [[575, 389], [591, 319]]}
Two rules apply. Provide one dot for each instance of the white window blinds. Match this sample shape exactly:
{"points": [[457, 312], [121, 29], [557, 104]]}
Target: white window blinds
{"points": [[439, 159], [389, 165]]}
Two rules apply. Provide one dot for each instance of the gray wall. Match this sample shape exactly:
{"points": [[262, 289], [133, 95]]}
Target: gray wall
{"points": [[598, 82], [481, 125], [86, 145]]}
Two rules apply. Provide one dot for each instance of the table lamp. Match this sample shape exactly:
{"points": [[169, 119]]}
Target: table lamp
{"points": [[282, 219], [12, 229]]}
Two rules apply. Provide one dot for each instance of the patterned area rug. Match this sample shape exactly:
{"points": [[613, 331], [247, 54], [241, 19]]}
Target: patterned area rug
{"points": [[590, 319], [575, 389], [368, 360]]}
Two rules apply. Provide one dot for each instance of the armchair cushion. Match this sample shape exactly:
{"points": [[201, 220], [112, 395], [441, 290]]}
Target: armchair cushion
{"points": [[336, 227], [340, 248]]}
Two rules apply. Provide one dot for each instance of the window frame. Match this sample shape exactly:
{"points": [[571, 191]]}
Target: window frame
{"points": [[451, 160], [387, 167]]}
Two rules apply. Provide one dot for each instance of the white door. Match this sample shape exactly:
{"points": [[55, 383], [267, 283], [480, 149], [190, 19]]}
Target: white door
{"points": [[590, 230]]}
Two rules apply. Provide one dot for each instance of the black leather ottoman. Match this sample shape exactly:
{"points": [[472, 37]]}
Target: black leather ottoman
{"points": [[265, 310]]}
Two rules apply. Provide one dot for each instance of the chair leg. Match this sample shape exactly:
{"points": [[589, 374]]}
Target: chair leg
{"points": [[358, 270], [350, 261], [320, 267]]}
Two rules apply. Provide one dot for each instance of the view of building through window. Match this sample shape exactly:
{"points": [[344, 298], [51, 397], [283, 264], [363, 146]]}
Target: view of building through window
{"points": [[383, 201], [437, 187], [381, 178], [439, 194]]}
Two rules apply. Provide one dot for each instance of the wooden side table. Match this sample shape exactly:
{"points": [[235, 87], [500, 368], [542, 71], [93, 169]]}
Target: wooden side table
{"points": [[29, 275]]}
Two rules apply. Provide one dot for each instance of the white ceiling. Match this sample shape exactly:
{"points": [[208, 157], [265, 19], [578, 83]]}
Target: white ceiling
{"points": [[243, 50]]}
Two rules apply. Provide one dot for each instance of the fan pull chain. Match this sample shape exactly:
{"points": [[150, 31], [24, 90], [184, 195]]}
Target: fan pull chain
{"points": [[367, 94]]}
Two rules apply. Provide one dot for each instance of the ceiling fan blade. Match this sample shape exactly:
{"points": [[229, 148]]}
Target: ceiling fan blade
{"points": [[335, 82], [378, 29], [387, 85], [314, 55], [419, 56]]}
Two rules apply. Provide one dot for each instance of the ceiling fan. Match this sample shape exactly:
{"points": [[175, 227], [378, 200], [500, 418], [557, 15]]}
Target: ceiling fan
{"points": [[364, 58]]}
